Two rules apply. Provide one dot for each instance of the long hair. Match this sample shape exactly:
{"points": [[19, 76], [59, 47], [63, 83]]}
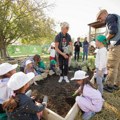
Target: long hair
{"points": [[13, 102], [86, 81]]}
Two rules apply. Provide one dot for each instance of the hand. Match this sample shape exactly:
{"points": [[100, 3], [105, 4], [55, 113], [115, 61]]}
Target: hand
{"points": [[37, 103], [65, 56]]}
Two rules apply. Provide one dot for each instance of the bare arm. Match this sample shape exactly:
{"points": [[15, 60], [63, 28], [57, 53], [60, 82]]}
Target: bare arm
{"points": [[109, 36]]}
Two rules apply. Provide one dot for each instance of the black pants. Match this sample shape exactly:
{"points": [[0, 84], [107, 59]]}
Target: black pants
{"points": [[63, 63], [77, 55]]}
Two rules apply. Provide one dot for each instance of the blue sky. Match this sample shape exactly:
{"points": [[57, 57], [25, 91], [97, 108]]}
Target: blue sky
{"points": [[78, 13]]}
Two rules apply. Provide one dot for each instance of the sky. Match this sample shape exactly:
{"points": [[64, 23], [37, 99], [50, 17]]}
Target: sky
{"points": [[79, 13]]}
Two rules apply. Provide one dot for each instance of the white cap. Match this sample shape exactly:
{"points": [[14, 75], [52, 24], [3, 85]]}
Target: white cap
{"points": [[92, 43], [64, 24], [28, 62], [19, 79], [79, 75], [52, 44], [7, 67]]}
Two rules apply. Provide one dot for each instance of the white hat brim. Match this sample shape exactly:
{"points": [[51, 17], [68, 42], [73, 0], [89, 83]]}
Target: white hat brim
{"points": [[8, 70], [30, 76], [79, 78]]}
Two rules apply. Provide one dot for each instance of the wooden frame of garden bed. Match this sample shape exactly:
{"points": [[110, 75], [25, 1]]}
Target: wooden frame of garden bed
{"points": [[50, 115]]}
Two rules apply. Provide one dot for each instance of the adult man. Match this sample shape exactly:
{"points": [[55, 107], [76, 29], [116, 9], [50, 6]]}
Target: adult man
{"points": [[62, 41], [77, 46], [112, 22]]}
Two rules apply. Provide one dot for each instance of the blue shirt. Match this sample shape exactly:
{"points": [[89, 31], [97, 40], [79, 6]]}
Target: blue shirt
{"points": [[111, 22]]}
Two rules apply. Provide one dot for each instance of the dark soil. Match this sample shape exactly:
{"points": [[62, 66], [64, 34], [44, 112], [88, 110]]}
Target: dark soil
{"points": [[59, 94]]}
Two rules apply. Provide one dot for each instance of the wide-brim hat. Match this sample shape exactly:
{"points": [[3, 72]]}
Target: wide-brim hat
{"points": [[28, 62], [79, 75], [53, 44], [6, 67], [19, 79]]}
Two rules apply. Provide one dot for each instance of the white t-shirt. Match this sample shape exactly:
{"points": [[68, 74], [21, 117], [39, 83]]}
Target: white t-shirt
{"points": [[52, 52], [5, 92], [101, 58]]}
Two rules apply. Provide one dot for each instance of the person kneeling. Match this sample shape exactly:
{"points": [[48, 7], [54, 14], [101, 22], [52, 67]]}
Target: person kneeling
{"points": [[90, 100], [20, 106]]}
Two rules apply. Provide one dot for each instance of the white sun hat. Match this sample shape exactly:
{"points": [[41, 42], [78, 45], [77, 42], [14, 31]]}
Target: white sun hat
{"points": [[28, 62], [19, 79], [79, 75], [92, 43], [7, 67], [53, 44]]}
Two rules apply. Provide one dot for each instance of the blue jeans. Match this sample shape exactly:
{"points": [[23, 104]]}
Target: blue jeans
{"points": [[85, 54], [99, 80], [77, 55]]}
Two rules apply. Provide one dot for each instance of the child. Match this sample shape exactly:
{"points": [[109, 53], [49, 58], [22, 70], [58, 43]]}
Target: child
{"points": [[52, 51], [54, 67], [101, 61], [22, 64], [90, 100], [29, 67], [39, 65], [20, 106], [6, 71]]}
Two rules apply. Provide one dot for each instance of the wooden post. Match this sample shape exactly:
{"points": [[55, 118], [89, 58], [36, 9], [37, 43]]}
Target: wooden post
{"points": [[89, 36]]}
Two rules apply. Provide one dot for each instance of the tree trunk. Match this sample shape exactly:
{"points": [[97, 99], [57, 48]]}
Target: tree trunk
{"points": [[3, 50]]}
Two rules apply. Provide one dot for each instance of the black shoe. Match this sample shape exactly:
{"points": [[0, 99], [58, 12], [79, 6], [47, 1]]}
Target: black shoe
{"points": [[115, 87], [108, 88]]}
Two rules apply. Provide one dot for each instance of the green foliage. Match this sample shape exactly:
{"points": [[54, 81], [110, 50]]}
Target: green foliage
{"points": [[26, 21]]}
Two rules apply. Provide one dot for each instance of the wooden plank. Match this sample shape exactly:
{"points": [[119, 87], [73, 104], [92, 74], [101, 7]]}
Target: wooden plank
{"points": [[73, 112], [50, 115]]}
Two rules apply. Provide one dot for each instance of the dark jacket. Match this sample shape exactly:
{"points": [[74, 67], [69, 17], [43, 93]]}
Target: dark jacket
{"points": [[27, 110]]}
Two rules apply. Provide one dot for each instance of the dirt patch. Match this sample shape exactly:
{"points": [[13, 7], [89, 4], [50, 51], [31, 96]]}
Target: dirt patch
{"points": [[59, 94]]}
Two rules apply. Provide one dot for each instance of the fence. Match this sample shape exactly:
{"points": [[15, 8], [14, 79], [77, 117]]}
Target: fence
{"points": [[26, 50]]}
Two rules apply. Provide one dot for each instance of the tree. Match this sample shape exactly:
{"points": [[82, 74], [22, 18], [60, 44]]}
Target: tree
{"points": [[23, 20]]}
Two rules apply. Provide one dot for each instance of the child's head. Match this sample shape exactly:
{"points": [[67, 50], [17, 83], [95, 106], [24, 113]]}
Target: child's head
{"points": [[52, 45], [80, 77], [20, 81], [7, 70], [101, 41], [29, 64], [37, 58]]}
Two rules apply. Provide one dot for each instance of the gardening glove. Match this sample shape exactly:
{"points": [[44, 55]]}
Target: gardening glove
{"points": [[73, 95], [76, 92]]}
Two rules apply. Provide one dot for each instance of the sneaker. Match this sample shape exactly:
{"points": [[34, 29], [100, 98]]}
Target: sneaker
{"points": [[88, 115], [108, 88], [115, 87], [60, 80], [66, 79]]}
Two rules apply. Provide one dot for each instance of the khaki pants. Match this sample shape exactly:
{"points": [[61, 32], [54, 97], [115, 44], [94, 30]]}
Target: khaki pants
{"points": [[114, 66]]}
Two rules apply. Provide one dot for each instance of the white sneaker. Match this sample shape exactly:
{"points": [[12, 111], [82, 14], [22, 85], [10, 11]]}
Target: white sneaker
{"points": [[60, 80], [66, 79]]}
